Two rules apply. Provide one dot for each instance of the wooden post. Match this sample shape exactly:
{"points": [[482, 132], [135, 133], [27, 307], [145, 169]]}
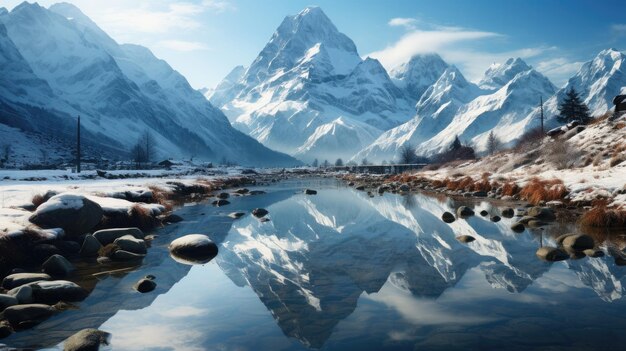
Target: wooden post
{"points": [[78, 147]]}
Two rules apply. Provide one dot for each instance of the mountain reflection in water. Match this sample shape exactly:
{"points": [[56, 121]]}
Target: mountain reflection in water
{"points": [[344, 271]]}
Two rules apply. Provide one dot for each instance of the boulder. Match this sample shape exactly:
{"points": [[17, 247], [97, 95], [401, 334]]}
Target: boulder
{"points": [[68, 247], [360, 187], [172, 218], [108, 236], [236, 215], [465, 238], [543, 213], [560, 238], [484, 213], [223, 196], [508, 212], [193, 248], [28, 315], [51, 292], [86, 340], [241, 191], [73, 212], [404, 188], [518, 227], [57, 266], [19, 279], [578, 242], [131, 244], [593, 253], [220, 202], [310, 192], [256, 192], [448, 217], [551, 254], [42, 252], [259, 212], [23, 294], [464, 211], [495, 219], [7, 301], [5, 329], [90, 247], [145, 285], [526, 219]]}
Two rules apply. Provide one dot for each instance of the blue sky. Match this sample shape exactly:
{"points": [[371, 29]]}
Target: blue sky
{"points": [[204, 39]]}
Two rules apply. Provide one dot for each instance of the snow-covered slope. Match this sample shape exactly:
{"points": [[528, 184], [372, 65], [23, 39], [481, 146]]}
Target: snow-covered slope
{"points": [[454, 107], [309, 79], [122, 91]]}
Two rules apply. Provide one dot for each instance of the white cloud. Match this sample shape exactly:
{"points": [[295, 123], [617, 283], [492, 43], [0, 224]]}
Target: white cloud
{"points": [[558, 69], [219, 5], [182, 45], [619, 28], [408, 23]]}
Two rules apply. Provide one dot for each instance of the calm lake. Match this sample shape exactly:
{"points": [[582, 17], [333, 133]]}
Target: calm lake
{"points": [[344, 271]]}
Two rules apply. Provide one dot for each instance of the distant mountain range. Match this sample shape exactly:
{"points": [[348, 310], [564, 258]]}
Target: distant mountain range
{"points": [[56, 64], [311, 95]]}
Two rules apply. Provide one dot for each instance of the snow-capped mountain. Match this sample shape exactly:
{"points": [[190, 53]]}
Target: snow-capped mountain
{"points": [[418, 74], [120, 91], [597, 81], [310, 94], [452, 106]]}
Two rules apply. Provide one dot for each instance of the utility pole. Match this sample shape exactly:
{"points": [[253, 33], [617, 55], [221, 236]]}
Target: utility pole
{"points": [[78, 147], [541, 107]]}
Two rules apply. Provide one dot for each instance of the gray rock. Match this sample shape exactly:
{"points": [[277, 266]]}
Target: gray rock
{"points": [[28, 315], [593, 253], [145, 285], [495, 219], [259, 212], [220, 202], [525, 219], [193, 248], [90, 247], [23, 294], [257, 192], [448, 217], [484, 213], [464, 211], [551, 254], [465, 238], [310, 192], [508, 212], [7, 301], [108, 236], [80, 216], [172, 218], [86, 340], [19, 279], [223, 196], [241, 191], [57, 266], [131, 244], [51, 292], [360, 187], [543, 213], [404, 187], [579, 242], [479, 194], [560, 238], [518, 227], [236, 215]]}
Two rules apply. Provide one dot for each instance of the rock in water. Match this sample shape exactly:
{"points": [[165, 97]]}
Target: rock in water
{"points": [[260, 212], [236, 215], [108, 236], [220, 202], [543, 213], [51, 292], [508, 212], [90, 247], [131, 244], [465, 238], [7, 301], [145, 285], [310, 192], [57, 266], [448, 217], [579, 242], [86, 340], [172, 218], [484, 213], [28, 315], [518, 227], [73, 212], [551, 254], [193, 248], [19, 279], [223, 196], [464, 211], [495, 219]]}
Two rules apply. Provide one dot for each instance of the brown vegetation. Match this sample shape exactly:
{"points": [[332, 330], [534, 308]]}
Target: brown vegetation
{"points": [[538, 190], [602, 217], [37, 200]]}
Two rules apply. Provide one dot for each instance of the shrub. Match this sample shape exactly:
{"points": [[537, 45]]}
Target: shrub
{"points": [[537, 190], [600, 216], [37, 200], [559, 153], [510, 189], [530, 139]]}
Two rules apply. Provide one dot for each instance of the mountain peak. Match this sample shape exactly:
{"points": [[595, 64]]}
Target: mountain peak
{"points": [[498, 75], [416, 75], [71, 12], [3, 11], [27, 7]]}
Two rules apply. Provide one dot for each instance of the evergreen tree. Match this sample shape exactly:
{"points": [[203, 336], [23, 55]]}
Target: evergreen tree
{"points": [[326, 163], [315, 163], [456, 144], [493, 144], [572, 109], [339, 163]]}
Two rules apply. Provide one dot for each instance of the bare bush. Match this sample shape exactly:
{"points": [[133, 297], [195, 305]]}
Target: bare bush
{"points": [[559, 153]]}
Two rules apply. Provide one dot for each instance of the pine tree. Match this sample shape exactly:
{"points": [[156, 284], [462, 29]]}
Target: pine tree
{"points": [[326, 163], [493, 144], [572, 109], [315, 163]]}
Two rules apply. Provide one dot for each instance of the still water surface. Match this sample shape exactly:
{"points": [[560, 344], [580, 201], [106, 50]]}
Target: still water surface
{"points": [[344, 271]]}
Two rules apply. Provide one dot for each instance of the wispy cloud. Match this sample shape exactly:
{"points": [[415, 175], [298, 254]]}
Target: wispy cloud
{"points": [[182, 45], [408, 23], [558, 69]]}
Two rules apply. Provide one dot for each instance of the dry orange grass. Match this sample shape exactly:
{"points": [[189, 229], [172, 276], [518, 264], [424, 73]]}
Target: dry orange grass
{"points": [[537, 190], [510, 189], [37, 200], [602, 217]]}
